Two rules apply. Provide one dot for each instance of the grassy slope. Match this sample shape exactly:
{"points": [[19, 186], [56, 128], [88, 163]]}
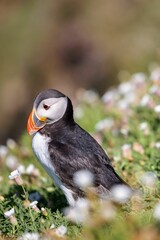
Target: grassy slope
{"points": [[129, 223]]}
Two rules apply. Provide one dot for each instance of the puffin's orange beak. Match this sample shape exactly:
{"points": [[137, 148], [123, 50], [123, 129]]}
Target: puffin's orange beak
{"points": [[35, 123]]}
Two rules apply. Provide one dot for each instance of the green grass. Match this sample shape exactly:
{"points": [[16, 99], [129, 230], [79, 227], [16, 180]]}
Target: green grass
{"points": [[133, 220]]}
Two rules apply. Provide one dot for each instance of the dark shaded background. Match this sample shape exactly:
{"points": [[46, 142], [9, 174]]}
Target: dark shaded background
{"points": [[70, 44]]}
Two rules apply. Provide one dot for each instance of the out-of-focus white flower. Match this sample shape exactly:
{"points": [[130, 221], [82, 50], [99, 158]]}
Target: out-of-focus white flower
{"points": [[157, 145], [123, 104], [149, 179], [11, 162], [83, 178], [78, 112], [104, 124], [61, 231], [157, 109], [144, 128], [155, 90], [125, 88], [124, 131], [156, 213], [155, 75], [10, 214], [129, 98], [11, 143], [82, 204], [146, 100], [138, 79], [15, 175], [30, 169], [126, 151], [126, 146], [121, 193], [3, 151], [52, 226], [90, 96], [80, 212], [33, 205], [110, 96], [21, 169], [43, 210], [29, 236]]}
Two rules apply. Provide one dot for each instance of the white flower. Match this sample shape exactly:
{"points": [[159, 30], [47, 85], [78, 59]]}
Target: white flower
{"points": [[156, 213], [143, 126], [52, 226], [33, 204], [154, 89], [11, 143], [121, 193], [30, 169], [123, 104], [21, 169], [145, 100], [125, 88], [124, 131], [11, 162], [148, 179], [61, 231], [110, 96], [78, 112], [82, 204], [138, 79], [9, 213], [105, 123], [126, 147], [83, 178], [157, 109], [157, 145], [29, 236], [80, 212], [90, 96], [155, 75], [3, 151], [14, 174]]}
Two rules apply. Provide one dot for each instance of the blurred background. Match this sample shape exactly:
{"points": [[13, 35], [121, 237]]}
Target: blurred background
{"points": [[67, 45]]}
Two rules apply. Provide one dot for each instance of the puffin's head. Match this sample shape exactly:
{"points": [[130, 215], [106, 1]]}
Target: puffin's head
{"points": [[49, 106]]}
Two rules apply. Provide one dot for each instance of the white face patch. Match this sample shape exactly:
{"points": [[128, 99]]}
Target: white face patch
{"points": [[52, 108], [40, 148]]}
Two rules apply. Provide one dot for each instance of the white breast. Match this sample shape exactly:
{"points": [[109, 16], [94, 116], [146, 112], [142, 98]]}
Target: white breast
{"points": [[40, 148]]}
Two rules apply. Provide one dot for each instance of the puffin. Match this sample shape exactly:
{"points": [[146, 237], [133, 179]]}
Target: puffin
{"points": [[64, 148]]}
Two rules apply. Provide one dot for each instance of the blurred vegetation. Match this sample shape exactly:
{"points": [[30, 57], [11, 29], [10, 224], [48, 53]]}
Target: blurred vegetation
{"points": [[130, 133], [67, 44]]}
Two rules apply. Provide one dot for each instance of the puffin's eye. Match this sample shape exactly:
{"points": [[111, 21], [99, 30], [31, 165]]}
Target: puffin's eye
{"points": [[46, 107]]}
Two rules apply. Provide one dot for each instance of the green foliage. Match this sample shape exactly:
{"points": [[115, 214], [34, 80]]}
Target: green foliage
{"points": [[134, 220]]}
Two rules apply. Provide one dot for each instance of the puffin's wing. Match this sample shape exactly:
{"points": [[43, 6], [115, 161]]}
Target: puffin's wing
{"points": [[68, 159]]}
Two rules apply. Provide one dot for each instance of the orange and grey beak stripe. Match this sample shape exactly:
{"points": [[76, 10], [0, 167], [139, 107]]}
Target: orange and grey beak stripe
{"points": [[35, 123]]}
